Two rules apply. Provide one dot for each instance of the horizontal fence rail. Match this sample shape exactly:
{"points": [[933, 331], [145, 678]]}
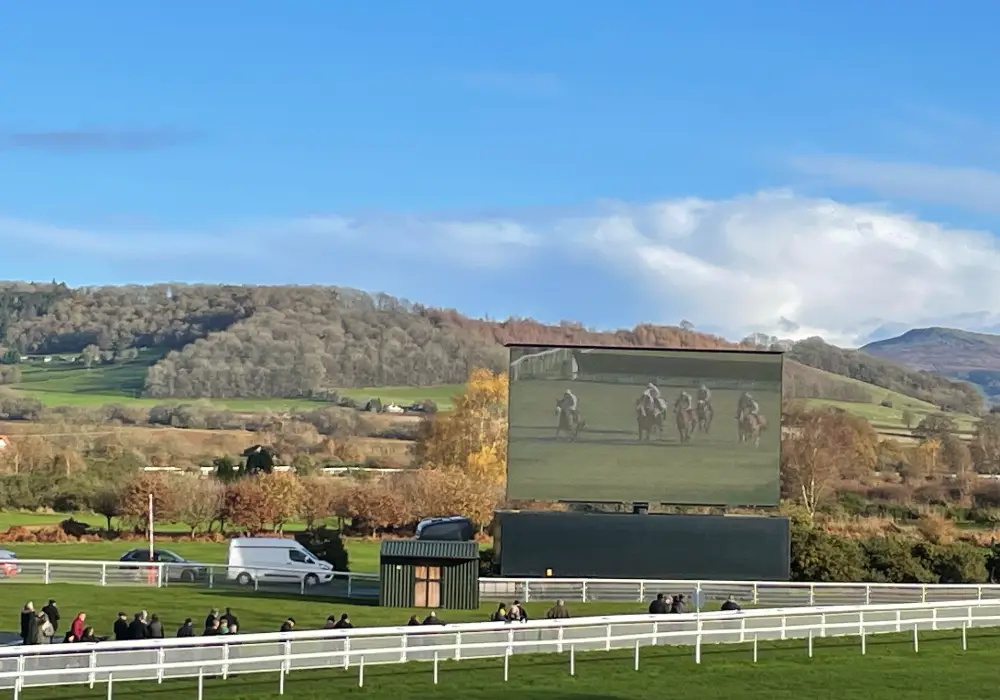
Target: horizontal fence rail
{"points": [[365, 585], [159, 660]]}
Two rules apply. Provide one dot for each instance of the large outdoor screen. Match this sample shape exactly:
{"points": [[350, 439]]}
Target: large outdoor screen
{"points": [[660, 426]]}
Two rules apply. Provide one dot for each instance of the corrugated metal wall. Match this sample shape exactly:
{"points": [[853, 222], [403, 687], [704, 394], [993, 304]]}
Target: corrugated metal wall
{"points": [[397, 578], [460, 585]]}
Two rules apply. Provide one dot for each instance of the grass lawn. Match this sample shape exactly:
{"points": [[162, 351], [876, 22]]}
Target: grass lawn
{"points": [[941, 671], [258, 612], [891, 419]]}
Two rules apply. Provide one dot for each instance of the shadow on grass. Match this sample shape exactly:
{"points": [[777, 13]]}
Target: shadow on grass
{"points": [[284, 596]]}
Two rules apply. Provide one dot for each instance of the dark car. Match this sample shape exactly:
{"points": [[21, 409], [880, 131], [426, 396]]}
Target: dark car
{"points": [[176, 567]]}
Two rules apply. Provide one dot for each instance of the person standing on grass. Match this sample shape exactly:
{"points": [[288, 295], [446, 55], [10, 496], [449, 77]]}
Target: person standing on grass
{"points": [[344, 623], [155, 628], [27, 620], [659, 606], [232, 622], [288, 625], [52, 612], [76, 628], [121, 627], [559, 611], [187, 629]]}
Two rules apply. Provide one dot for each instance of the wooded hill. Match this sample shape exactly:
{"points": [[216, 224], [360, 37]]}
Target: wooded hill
{"points": [[231, 341]]}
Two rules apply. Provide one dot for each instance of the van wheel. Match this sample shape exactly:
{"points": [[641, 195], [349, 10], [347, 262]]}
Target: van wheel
{"points": [[244, 579], [311, 580]]}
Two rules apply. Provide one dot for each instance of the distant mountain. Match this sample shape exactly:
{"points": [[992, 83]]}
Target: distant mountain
{"points": [[949, 352]]}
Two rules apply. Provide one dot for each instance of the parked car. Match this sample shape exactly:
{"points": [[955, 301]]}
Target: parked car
{"points": [[8, 564], [176, 567]]}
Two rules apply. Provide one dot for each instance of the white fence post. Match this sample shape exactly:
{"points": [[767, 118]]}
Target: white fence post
{"points": [[161, 659], [755, 648], [964, 641], [506, 665], [642, 591], [225, 661], [435, 668], [583, 594], [458, 646], [47, 573], [868, 594], [347, 653], [934, 619], [916, 642], [104, 573], [111, 683], [361, 672], [810, 644], [756, 594], [201, 683], [607, 639], [812, 595], [637, 655], [572, 659], [697, 641], [697, 596], [527, 591]]}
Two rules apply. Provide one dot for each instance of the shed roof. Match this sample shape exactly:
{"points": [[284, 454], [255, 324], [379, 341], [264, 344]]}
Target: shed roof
{"points": [[429, 549]]}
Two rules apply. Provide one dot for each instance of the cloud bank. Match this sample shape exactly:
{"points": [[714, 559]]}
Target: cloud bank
{"points": [[768, 262]]}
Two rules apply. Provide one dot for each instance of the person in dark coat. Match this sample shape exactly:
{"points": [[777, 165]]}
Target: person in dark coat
{"points": [[677, 606], [210, 620], [344, 623], [288, 625], [659, 606], [187, 629], [27, 619], [432, 619], [138, 629], [730, 605], [52, 611], [121, 627], [155, 628], [232, 622], [413, 622]]}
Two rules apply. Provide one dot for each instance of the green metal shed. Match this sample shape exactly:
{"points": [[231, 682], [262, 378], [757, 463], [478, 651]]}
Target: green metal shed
{"points": [[429, 574]]}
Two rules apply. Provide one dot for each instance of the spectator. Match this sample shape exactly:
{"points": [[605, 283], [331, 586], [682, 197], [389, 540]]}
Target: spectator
{"points": [[76, 627], [121, 627], [500, 615], [658, 606], [156, 628], [52, 612], [413, 622], [222, 627], [213, 628], [232, 622], [213, 614], [677, 606], [331, 623], [89, 636], [730, 605], [27, 620], [517, 613], [69, 638], [38, 627], [138, 629], [288, 625], [187, 629], [432, 619], [558, 611], [344, 623]]}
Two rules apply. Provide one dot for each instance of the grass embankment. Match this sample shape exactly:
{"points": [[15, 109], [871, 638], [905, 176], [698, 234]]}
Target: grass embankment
{"points": [[941, 671], [58, 383]]}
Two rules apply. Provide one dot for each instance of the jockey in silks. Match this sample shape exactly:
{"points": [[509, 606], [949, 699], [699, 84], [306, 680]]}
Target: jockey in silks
{"points": [[704, 394], [747, 406], [684, 402], [652, 393], [569, 404]]}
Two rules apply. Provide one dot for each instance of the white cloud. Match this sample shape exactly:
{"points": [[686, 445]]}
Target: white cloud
{"points": [[970, 188], [736, 265]]}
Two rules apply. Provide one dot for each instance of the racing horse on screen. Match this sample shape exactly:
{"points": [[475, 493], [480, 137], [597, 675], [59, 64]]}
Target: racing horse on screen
{"points": [[704, 414], [749, 420], [649, 416], [685, 415], [568, 416]]}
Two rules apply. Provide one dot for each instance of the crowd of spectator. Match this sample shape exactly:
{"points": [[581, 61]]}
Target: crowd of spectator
{"points": [[42, 626]]}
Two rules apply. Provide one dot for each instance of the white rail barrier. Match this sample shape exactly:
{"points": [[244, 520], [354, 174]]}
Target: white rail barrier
{"points": [[365, 585], [109, 662]]}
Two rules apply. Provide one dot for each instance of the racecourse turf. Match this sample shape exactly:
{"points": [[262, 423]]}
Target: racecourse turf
{"points": [[890, 669], [608, 462]]}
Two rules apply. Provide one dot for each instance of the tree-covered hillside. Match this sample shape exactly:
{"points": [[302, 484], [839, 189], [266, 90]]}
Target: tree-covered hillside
{"points": [[232, 341]]}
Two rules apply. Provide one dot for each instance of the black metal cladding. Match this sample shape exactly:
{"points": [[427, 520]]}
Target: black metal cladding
{"points": [[599, 545]]}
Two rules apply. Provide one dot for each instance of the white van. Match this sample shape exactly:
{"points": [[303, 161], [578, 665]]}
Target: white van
{"points": [[274, 560]]}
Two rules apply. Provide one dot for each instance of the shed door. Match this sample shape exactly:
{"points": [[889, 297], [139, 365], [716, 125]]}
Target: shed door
{"points": [[427, 586]]}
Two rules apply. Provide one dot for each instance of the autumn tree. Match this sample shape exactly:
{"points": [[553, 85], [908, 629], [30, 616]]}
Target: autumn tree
{"points": [[247, 505], [107, 502], [433, 493], [936, 426], [201, 502], [135, 498], [908, 418], [823, 446], [473, 437], [986, 445], [317, 502], [956, 460], [375, 504]]}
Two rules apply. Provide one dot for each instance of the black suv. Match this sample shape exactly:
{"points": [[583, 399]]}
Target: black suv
{"points": [[175, 567]]}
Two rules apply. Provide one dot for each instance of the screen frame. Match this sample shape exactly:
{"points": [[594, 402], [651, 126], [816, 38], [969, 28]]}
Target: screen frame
{"points": [[648, 348]]}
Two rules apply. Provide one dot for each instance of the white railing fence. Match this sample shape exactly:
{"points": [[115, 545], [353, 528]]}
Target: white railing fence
{"points": [[365, 585], [160, 660]]}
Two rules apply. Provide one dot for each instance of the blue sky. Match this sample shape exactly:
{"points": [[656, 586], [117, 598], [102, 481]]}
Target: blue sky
{"points": [[732, 163]]}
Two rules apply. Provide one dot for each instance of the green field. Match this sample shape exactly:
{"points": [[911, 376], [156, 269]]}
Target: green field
{"points": [[258, 611], [607, 462], [890, 669], [59, 383]]}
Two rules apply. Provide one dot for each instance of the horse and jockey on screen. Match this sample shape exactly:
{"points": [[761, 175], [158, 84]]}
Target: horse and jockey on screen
{"points": [[703, 410], [650, 409], [568, 412], [684, 411], [749, 420]]}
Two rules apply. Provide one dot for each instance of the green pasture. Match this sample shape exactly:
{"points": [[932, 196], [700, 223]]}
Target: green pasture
{"points": [[257, 611], [606, 462], [783, 671], [883, 418], [60, 383]]}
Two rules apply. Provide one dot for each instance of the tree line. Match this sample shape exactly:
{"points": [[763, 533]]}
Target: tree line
{"points": [[229, 341]]}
